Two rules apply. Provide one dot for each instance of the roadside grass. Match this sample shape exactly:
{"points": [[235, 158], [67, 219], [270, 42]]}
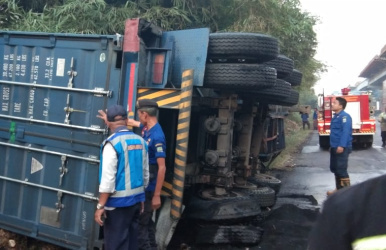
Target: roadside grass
{"points": [[295, 137]]}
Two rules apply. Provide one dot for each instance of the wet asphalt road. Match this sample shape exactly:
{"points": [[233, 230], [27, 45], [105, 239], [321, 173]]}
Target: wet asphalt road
{"points": [[312, 176], [304, 188]]}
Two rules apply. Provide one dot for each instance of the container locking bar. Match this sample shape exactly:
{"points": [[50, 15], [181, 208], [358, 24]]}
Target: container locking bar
{"points": [[86, 196], [96, 91], [91, 129], [69, 110], [29, 148]]}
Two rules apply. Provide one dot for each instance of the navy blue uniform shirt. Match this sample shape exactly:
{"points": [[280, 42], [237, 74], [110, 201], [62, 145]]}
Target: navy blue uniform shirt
{"points": [[155, 140], [304, 117], [341, 130], [315, 117]]}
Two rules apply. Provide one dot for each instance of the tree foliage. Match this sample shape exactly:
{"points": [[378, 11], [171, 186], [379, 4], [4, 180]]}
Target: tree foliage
{"points": [[282, 19]]}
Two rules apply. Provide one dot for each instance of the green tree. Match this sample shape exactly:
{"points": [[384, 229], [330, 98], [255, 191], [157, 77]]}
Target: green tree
{"points": [[282, 19]]}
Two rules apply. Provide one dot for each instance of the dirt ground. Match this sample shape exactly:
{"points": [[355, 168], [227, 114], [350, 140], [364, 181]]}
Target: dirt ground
{"points": [[10, 240]]}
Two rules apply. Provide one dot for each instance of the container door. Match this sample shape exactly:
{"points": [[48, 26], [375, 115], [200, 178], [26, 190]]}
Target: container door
{"points": [[52, 86]]}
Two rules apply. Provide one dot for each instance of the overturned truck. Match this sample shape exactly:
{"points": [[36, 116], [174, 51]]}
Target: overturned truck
{"points": [[221, 99]]}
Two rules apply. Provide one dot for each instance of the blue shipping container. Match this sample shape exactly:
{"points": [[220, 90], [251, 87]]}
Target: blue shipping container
{"points": [[52, 87]]}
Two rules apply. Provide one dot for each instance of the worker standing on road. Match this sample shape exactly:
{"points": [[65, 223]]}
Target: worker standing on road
{"points": [[305, 121], [315, 119], [124, 174], [352, 219], [382, 120], [152, 133], [341, 143]]}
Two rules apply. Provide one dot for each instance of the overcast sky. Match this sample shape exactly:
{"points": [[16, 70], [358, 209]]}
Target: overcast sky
{"points": [[350, 33]]}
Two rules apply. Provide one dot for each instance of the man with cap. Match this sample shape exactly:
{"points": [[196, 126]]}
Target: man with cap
{"points": [[123, 177], [147, 111]]}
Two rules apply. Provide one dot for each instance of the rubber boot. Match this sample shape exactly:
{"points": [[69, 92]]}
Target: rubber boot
{"points": [[344, 182], [337, 185]]}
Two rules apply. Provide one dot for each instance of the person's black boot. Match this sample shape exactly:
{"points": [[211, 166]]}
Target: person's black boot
{"points": [[383, 144]]}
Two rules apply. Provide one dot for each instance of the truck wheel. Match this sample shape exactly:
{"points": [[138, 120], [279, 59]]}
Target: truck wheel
{"points": [[283, 65], [295, 78], [264, 195], [250, 46], [324, 142], [279, 91], [290, 100], [228, 235], [264, 180], [227, 208], [239, 76]]}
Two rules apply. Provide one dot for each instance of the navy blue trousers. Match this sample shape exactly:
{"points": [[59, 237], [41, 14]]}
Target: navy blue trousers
{"points": [[339, 162], [147, 230], [121, 228]]}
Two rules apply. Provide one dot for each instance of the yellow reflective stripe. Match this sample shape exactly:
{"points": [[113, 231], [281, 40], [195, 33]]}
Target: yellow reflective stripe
{"points": [[184, 115], [370, 243]]}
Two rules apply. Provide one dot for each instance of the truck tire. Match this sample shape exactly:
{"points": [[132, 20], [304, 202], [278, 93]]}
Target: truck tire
{"points": [[295, 78], [239, 76], [324, 142], [279, 91], [250, 46], [228, 235], [228, 208], [264, 180], [283, 65], [264, 195], [290, 100]]}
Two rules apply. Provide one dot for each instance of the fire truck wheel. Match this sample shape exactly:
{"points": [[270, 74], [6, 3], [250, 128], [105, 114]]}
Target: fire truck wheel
{"points": [[236, 235], [251, 47], [283, 66], [223, 209], [295, 78], [239, 76], [264, 195], [279, 91], [264, 180]]}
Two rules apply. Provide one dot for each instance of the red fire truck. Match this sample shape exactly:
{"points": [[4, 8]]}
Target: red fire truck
{"points": [[362, 114]]}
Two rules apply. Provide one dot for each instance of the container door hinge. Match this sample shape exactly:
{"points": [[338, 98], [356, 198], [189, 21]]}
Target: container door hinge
{"points": [[63, 170], [72, 73]]}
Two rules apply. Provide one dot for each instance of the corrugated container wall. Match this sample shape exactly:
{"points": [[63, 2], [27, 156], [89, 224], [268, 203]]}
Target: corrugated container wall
{"points": [[52, 86]]}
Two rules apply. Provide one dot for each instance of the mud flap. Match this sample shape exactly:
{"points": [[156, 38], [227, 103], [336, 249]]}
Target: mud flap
{"points": [[165, 225]]}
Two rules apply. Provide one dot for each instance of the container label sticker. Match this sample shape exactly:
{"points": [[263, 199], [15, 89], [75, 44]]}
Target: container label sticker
{"points": [[35, 166], [5, 102], [60, 67]]}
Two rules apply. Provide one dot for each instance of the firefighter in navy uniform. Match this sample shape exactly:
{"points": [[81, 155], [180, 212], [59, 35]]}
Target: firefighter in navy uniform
{"points": [[353, 218], [340, 143], [152, 133]]}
